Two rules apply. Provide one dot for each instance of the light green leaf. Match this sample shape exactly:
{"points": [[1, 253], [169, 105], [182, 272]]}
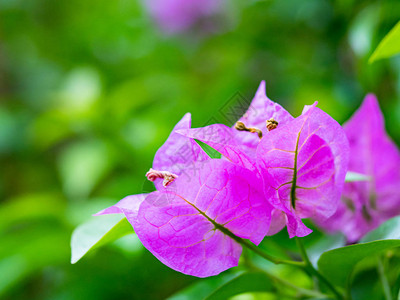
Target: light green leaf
{"points": [[259, 296], [389, 46], [247, 282], [353, 176], [97, 232], [211, 152], [388, 230], [325, 243], [337, 264]]}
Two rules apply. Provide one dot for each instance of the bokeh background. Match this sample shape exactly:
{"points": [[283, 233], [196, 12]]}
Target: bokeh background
{"points": [[90, 89]]}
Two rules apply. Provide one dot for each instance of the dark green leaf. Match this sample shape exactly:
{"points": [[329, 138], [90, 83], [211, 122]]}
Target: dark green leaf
{"points": [[98, 232], [338, 264], [247, 282], [389, 46], [201, 288]]}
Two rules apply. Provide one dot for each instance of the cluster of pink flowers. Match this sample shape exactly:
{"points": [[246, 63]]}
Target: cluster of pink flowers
{"points": [[275, 171]]}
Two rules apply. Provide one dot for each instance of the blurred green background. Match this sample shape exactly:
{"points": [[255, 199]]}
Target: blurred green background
{"points": [[90, 89]]}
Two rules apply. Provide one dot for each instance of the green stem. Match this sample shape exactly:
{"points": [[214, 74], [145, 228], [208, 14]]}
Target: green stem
{"points": [[300, 291], [306, 264], [258, 251], [384, 280], [312, 270]]}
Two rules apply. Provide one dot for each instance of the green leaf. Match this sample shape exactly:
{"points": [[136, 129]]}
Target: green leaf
{"points": [[388, 230], [260, 296], [19, 257], [325, 243], [337, 264], [97, 232], [389, 46], [30, 207], [201, 288], [82, 165], [353, 176], [211, 152], [247, 282]]}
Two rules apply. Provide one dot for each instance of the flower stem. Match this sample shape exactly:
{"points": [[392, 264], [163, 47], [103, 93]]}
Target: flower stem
{"points": [[300, 291], [258, 251], [384, 280], [305, 264], [311, 269]]}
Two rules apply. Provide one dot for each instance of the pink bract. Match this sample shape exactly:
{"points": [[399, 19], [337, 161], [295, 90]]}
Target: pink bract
{"points": [[179, 225], [366, 204], [303, 165], [321, 159]]}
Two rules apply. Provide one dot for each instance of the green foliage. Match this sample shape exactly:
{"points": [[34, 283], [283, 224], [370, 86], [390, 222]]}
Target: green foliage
{"points": [[337, 265], [211, 152], [244, 283], [90, 89], [388, 230], [203, 287], [81, 167], [98, 232], [389, 46]]}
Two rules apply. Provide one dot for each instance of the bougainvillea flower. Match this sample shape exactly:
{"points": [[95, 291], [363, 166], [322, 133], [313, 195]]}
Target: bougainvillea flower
{"points": [[366, 204], [305, 178], [179, 15], [185, 225], [303, 164]]}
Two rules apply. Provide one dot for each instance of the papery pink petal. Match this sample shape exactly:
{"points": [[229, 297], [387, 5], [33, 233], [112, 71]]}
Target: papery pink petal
{"points": [[222, 138], [366, 204], [306, 158], [177, 225], [278, 222], [296, 227], [260, 110], [178, 152], [331, 132], [128, 204]]}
